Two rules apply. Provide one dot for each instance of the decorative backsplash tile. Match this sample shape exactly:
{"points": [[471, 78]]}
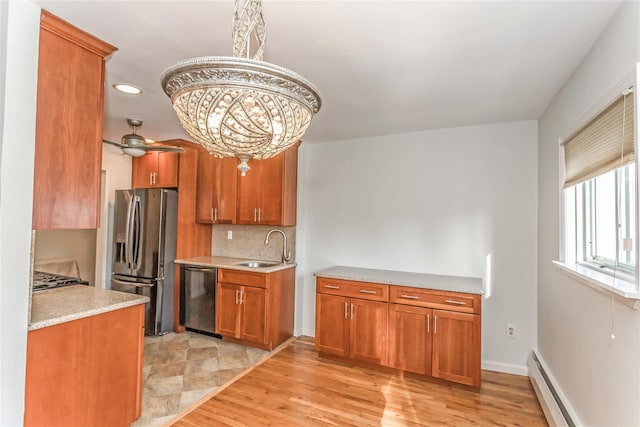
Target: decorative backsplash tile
{"points": [[248, 242]]}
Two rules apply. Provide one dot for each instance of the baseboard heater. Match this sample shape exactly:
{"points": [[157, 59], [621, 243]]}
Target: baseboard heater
{"points": [[552, 406]]}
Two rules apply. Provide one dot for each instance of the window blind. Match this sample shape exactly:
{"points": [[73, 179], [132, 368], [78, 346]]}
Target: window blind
{"points": [[599, 147]]}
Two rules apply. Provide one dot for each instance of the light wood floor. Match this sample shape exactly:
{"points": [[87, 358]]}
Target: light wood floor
{"points": [[295, 387]]}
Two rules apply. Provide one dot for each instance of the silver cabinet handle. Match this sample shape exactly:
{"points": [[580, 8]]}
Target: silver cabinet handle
{"points": [[259, 214], [332, 287], [352, 310], [346, 311], [151, 178], [428, 321], [435, 324], [241, 294], [237, 296], [255, 214], [409, 296], [366, 291], [211, 214], [215, 214], [450, 301]]}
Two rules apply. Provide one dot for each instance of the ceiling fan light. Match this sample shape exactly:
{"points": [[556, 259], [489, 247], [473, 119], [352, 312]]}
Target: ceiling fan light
{"points": [[133, 151]]}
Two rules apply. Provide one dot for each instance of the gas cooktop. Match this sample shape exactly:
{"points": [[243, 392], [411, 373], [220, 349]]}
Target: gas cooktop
{"points": [[42, 281]]}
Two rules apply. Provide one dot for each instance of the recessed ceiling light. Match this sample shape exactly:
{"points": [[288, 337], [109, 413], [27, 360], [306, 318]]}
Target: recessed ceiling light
{"points": [[127, 88]]}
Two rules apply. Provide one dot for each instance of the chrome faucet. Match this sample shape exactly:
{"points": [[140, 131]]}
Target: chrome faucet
{"points": [[286, 252]]}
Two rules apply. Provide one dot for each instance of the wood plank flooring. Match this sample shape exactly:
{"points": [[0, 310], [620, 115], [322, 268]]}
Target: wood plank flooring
{"points": [[295, 387]]}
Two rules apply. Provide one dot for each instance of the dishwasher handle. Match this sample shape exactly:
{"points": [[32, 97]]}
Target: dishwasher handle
{"points": [[200, 269]]}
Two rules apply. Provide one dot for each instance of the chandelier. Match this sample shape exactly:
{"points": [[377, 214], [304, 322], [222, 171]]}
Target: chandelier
{"points": [[241, 106]]}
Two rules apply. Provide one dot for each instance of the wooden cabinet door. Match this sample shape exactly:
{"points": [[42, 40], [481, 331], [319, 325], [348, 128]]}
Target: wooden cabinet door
{"points": [[228, 310], [410, 338], [368, 334], [167, 170], [216, 190], [332, 325], [271, 190], [456, 347], [142, 170], [249, 191], [254, 311], [69, 109]]}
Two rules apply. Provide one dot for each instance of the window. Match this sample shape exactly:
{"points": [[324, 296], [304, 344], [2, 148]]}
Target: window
{"points": [[600, 198], [606, 221]]}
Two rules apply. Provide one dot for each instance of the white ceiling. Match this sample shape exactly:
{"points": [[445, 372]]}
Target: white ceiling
{"points": [[382, 67]]}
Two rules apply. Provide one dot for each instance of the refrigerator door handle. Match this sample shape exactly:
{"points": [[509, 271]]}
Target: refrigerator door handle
{"points": [[136, 232], [134, 284], [127, 233]]}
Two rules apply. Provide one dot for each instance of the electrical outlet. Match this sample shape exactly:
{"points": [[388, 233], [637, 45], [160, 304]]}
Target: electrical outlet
{"points": [[229, 235], [512, 330]]}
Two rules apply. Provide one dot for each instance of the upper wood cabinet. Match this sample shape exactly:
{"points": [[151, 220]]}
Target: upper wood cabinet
{"points": [[267, 194], [217, 184], [156, 169], [69, 116]]}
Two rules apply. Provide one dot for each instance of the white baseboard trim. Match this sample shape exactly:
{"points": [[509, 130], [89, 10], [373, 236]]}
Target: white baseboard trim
{"points": [[504, 367], [554, 403]]}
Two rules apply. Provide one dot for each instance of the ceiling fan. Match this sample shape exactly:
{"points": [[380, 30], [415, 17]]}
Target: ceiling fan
{"points": [[135, 145]]}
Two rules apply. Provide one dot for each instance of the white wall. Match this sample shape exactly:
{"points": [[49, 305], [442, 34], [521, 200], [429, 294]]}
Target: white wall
{"points": [[600, 377], [116, 175], [72, 244], [439, 202], [19, 23]]}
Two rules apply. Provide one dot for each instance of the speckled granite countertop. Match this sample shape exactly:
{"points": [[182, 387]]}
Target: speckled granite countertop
{"points": [[470, 285], [226, 262], [68, 303]]}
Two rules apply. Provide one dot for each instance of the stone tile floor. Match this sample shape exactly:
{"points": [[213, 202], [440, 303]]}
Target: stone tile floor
{"points": [[180, 369]]}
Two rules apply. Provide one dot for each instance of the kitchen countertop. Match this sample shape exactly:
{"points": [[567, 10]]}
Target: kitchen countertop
{"points": [[227, 262], [469, 285], [59, 305]]}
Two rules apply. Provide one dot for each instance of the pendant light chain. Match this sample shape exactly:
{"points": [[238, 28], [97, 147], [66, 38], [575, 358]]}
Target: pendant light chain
{"points": [[248, 22]]}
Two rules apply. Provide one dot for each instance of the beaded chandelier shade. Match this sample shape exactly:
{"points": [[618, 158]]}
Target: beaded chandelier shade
{"points": [[237, 106]]}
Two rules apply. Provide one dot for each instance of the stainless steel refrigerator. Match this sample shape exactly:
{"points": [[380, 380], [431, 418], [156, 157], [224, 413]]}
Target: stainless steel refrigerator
{"points": [[144, 250]]}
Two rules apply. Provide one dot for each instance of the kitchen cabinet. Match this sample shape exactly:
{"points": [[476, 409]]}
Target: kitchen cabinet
{"points": [[216, 191], [351, 320], [69, 111], [267, 194], [86, 372], [254, 308], [410, 338], [156, 169], [441, 327], [429, 332]]}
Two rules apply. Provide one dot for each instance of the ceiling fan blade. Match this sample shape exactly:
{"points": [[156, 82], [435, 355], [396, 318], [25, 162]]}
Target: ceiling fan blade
{"points": [[117, 144], [165, 148]]}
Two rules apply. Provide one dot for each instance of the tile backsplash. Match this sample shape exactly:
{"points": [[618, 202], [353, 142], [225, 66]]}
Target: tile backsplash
{"points": [[248, 242]]}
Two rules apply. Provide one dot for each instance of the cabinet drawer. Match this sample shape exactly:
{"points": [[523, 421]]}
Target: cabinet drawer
{"points": [[348, 288], [241, 277], [452, 301]]}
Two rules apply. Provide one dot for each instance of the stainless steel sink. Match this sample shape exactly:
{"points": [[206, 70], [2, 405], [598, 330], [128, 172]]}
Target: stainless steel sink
{"points": [[257, 264]]}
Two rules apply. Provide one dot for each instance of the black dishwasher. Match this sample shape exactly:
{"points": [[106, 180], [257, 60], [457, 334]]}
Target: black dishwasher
{"points": [[198, 299]]}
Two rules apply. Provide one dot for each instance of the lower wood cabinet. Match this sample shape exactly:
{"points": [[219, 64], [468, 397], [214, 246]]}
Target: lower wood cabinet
{"points": [[255, 308], [440, 343], [86, 372], [352, 327], [428, 332], [242, 312]]}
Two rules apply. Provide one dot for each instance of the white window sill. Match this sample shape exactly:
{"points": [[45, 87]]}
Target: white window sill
{"points": [[624, 290]]}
